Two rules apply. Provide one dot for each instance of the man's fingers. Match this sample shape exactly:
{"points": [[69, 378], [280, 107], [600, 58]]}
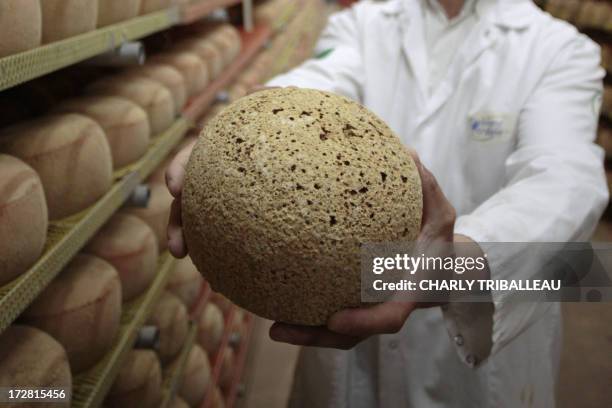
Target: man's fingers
{"points": [[311, 336], [175, 174], [387, 318], [176, 240]]}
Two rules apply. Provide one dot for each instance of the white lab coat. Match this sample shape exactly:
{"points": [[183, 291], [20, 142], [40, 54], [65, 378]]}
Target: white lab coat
{"points": [[509, 136]]}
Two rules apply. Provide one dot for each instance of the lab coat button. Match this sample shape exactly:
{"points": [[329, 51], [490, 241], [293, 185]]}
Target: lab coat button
{"points": [[393, 344], [458, 340]]}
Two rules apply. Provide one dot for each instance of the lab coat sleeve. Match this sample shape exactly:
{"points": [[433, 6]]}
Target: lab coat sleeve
{"points": [[339, 69], [556, 191]]}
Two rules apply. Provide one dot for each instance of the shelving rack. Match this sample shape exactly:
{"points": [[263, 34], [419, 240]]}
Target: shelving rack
{"points": [[218, 358], [90, 388], [19, 68], [173, 377], [67, 236]]}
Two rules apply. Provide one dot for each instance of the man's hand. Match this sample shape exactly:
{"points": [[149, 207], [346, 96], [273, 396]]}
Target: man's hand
{"points": [[348, 327], [175, 178]]}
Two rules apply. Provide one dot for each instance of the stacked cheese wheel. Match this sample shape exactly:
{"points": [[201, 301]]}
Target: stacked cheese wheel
{"points": [[23, 217], [70, 153]]}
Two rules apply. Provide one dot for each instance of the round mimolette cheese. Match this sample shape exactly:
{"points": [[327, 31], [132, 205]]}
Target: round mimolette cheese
{"points": [[171, 318], [130, 245], [191, 67], [71, 155], [150, 6], [157, 212], [150, 95], [115, 11], [168, 76], [67, 18], [138, 383], [281, 190], [125, 124], [81, 308], [20, 26], [23, 219], [196, 377], [185, 282], [210, 328], [30, 358]]}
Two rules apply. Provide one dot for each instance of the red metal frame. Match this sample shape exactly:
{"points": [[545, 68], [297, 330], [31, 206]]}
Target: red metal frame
{"points": [[202, 300], [217, 361], [232, 393], [251, 44]]}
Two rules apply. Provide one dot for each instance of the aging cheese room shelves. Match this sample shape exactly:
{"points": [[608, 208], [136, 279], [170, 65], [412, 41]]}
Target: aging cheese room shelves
{"points": [[251, 43], [193, 12], [68, 236], [232, 393], [173, 377], [20, 68], [91, 387]]}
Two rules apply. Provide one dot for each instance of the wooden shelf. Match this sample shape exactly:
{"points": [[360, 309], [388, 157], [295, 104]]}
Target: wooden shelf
{"points": [[251, 44], [193, 12], [22, 67], [91, 387], [67, 236], [172, 378]]}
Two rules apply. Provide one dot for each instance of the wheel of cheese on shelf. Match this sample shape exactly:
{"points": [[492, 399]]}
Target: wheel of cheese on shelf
{"points": [[71, 155], [150, 6], [168, 76], [216, 399], [150, 95], [23, 218], [157, 212], [125, 124], [115, 11], [207, 51], [81, 308], [228, 43], [221, 301], [210, 328], [227, 368], [191, 67], [20, 26], [185, 282], [138, 383], [171, 318], [31, 358], [592, 14], [195, 378], [606, 107], [604, 139], [67, 18], [178, 402], [130, 245], [606, 56]]}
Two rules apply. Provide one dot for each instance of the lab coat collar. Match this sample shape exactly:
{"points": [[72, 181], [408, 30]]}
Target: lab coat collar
{"points": [[510, 14]]}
